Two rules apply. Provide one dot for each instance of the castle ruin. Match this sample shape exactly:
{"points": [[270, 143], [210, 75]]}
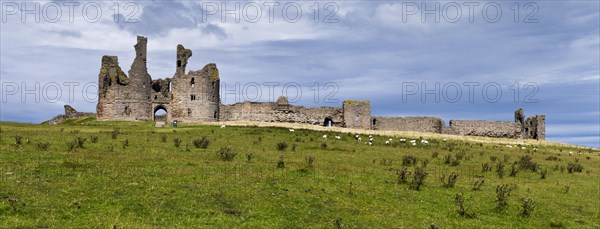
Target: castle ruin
{"points": [[195, 97]]}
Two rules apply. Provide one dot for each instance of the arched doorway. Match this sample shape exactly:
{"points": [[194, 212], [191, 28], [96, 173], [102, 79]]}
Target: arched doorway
{"points": [[160, 115], [328, 122]]}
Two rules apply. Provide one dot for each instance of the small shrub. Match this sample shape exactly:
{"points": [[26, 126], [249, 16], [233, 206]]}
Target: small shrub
{"points": [[506, 158], [323, 145], [500, 170], [574, 167], [526, 162], [409, 160], [80, 142], [281, 146], [280, 163], [552, 158], [435, 154], [125, 143], [19, 140], [477, 185], [226, 154], [424, 163], [493, 158], [502, 195], [294, 147], [419, 177], [43, 146], [94, 139], [528, 207], [462, 209], [543, 174], [177, 142], [513, 170], [310, 161], [485, 167], [451, 181], [163, 138], [403, 175], [71, 145], [447, 159], [115, 133], [201, 143], [249, 157]]}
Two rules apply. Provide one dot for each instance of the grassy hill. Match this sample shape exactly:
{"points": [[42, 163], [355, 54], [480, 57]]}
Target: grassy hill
{"points": [[88, 174]]}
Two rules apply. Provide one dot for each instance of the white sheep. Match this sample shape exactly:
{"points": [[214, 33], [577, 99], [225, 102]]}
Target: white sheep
{"points": [[338, 137], [424, 141], [509, 146], [522, 147], [370, 143], [223, 126], [413, 141], [570, 153], [387, 142], [359, 139], [402, 140], [325, 136], [444, 139], [291, 130]]}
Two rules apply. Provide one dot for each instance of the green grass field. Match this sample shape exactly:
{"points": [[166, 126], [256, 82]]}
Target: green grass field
{"points": [[141, 179]]}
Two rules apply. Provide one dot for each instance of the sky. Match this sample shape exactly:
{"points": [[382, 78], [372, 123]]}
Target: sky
{"points": [[449, 59]]}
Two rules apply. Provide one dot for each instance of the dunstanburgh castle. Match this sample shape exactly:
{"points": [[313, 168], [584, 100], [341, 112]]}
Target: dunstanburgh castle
{"points": [[195, 97]]}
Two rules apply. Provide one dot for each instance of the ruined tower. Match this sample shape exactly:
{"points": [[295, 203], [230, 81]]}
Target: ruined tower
{"points": [[191, 97], [357, 114], [121, 97]]}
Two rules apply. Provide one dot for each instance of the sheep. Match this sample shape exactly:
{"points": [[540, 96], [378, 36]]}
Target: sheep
{"points": [[413, 141], [402, 140], [338, 137], [370, 143], [423, 141], [509, 146], [325, 136], [359, 139], [570, 153], [444, 139], [523, 147], [291, 130], [387, 142], [223, 126]]}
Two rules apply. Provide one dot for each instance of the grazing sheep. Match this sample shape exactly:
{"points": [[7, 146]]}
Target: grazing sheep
{"points": [[359, 139], [223, 126], [444, 139], [413, 141], [402, 140], [570, 153], [509, 146], [325, 136], [291, 130], [370, 143], [424, 141], [387, 142], [522, 147], [338, 137]]}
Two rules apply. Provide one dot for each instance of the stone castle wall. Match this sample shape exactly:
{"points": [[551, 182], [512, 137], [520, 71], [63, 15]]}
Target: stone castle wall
{"points": [[414, 124], [280, 112], [485, 128], [195, 97]]}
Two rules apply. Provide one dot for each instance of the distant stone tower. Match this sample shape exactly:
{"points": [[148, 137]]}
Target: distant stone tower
{"points": [[357, 114], [535, 127], [121, 97]]}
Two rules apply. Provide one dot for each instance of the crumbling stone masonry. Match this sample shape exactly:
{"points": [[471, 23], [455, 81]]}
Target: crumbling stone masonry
{"points": [[195, 97], [191, 97]]}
